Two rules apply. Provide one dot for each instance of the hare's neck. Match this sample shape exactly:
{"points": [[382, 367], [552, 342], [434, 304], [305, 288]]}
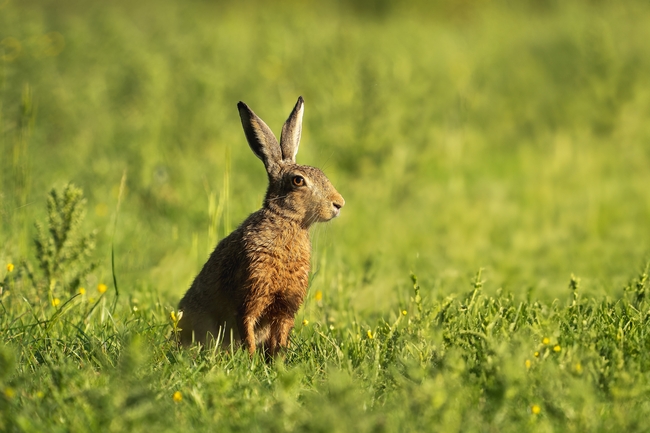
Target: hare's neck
{"points": [[285, 214], [283, 220]]}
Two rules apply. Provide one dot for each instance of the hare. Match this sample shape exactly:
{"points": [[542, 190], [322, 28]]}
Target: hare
{"points": [[256, 278]]}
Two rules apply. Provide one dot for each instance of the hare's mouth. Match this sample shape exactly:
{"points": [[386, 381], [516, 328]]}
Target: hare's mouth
{"points": [[327, 216]]}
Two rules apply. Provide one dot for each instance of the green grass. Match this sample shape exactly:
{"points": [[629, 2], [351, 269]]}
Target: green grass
{"points": [[511, 138]]}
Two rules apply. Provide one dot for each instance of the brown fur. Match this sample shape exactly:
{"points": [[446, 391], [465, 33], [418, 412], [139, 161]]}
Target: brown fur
{"points": [[256, 278]]}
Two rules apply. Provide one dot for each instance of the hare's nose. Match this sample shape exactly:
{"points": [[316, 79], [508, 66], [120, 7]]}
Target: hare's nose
{"points": [[338, 203]]}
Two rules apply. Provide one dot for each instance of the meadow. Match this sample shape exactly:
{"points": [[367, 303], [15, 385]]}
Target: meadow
{"points": [[489, 271]]}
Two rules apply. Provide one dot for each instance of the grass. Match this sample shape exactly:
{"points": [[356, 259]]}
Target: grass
{"points": [[507, 138], [466, 362]]}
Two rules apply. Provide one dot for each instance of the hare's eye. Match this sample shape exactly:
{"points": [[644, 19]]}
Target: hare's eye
{"points": [[298, 180]]}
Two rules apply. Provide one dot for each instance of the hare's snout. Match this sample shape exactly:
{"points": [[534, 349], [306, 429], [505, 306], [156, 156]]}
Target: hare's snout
{"points": [[337, 204]]}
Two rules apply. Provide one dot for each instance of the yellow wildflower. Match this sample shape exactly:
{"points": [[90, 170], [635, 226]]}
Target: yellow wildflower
{"points": [[101, 288], [10, 267], [528, 363], [56, 302], [556, 348], [318, 295], [82, 291], [177, 397], [536, 354], [40, 394], [370, 336], [9, 392], [535, 409], [546, 341], [578, 368], [176, 317], [404, 312], [305, 322]]}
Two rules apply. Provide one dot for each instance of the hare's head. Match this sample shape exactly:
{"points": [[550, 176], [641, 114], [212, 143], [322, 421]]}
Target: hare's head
{"points": [[298, 192]]}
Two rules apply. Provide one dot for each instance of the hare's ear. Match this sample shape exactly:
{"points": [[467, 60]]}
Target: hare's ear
{"points": [[290, 138], [261, 139]]}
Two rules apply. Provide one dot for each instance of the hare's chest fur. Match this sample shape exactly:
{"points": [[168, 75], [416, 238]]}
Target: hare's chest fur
{"points": [[278, 264]]}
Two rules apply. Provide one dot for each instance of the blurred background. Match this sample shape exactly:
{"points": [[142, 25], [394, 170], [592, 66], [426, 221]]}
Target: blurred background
{"points": [[509, 136]]}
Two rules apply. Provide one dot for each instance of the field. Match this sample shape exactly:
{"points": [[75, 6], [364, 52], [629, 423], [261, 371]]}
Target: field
{"points": [[489, 271]]}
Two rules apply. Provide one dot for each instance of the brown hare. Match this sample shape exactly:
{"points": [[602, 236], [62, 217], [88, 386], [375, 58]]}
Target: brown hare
{"points": [[256, 278]]}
